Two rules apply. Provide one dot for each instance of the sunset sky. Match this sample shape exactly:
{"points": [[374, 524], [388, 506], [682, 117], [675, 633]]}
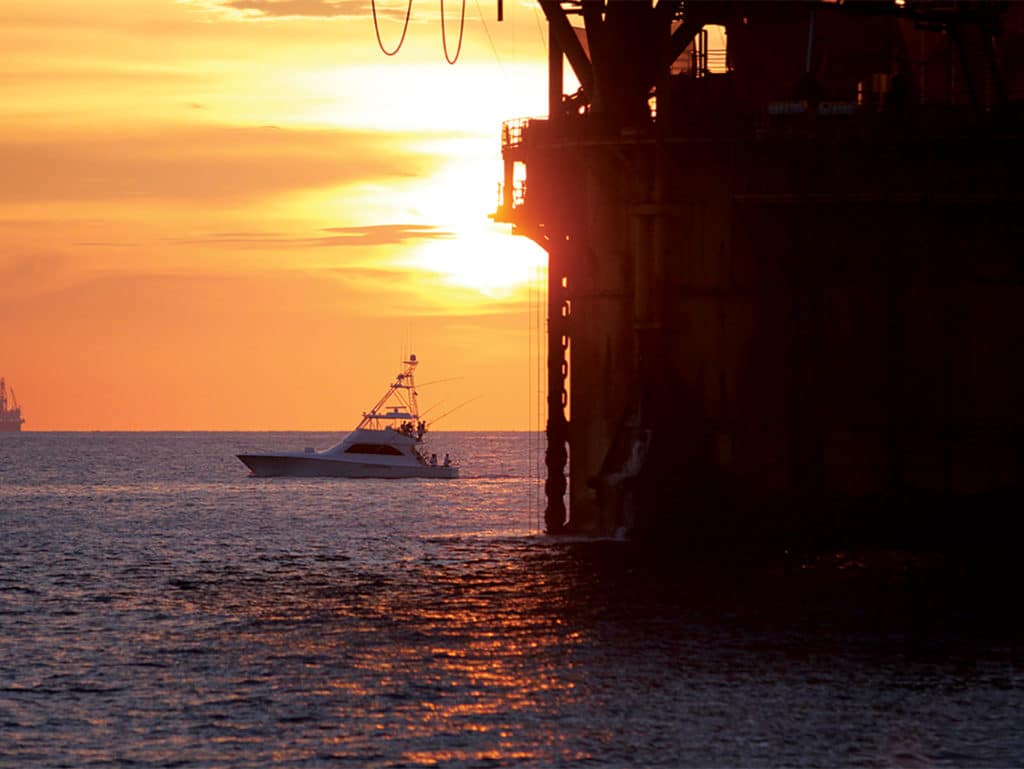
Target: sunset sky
{"points": [[241, 214]]}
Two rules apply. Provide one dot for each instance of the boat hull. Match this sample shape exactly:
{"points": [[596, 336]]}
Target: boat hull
{"points": [[10, 426], [276, 465]]}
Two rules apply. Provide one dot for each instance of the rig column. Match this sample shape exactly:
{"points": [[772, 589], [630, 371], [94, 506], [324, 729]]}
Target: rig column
{"points": [[557, 455]]}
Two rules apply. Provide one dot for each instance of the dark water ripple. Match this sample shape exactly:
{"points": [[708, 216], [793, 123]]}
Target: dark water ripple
{"points": [[158, 609]]}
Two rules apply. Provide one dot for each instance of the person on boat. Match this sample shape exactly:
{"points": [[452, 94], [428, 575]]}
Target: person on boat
{"points": [[447, 461], [433, 460], [420, 429]]}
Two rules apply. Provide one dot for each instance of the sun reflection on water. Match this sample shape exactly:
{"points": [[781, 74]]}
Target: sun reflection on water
{"points": [[297, 624]]}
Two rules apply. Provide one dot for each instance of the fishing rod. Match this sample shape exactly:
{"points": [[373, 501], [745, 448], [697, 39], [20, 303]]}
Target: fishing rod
{"points": [[439, 403], [465, 403], [439, 381]]}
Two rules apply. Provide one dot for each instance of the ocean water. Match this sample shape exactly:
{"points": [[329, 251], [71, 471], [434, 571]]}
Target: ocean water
{"points": [[160, 608]]}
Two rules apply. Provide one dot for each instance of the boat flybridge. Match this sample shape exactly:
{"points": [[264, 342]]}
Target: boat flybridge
{"points": [[387, 443]]}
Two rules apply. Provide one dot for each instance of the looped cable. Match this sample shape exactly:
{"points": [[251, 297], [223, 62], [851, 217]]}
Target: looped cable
{"points": [[405, 28], [444, 33]]}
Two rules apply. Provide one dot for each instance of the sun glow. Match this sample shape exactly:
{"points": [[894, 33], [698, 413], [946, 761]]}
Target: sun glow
{"points": [[426, 98], [455, 196], [488, 261], [196, 193]]}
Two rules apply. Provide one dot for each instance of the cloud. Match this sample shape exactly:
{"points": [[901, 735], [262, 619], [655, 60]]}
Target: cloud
{"points": [[308, 9], [374, 235], [387, 234], [202, 163], [26, 272], [319, 9], [30, 266], [293, 8], [105, 244], [93, 76]]}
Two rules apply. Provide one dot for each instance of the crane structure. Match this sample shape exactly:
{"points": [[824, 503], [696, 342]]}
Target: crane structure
{"points": [[785, 292]]}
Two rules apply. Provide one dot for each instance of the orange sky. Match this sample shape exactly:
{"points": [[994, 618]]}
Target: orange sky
{"points": [[240, 214]]}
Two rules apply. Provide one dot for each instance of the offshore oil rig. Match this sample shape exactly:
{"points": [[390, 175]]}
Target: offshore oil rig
{"points": [[10, 412], [786, 284]]}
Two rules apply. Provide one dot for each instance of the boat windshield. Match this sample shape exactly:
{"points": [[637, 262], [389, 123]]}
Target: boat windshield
{"points": [[373, 448]]}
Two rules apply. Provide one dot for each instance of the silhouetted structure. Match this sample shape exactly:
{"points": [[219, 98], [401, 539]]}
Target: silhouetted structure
{"points": [[786, 293], [10, 413]]}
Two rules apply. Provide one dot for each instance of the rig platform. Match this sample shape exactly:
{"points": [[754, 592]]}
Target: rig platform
{"points": [[786, 285]]}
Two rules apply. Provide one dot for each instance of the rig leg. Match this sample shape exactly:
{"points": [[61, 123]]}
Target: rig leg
{"points": [[556, 457]]}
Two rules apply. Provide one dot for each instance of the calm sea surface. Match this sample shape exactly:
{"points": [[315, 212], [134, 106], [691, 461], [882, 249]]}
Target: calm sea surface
{"points": [[158, 607]]}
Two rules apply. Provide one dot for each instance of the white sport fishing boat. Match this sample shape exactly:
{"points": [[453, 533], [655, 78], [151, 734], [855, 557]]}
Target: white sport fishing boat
{"points": [[387, 443]]}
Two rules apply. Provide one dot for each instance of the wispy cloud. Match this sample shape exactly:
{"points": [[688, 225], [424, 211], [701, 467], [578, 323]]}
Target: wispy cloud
{"points": [[284, 9], [375, 235], [95, 76], [319, 9], [105, 244], [383, 234], [201, 163]]}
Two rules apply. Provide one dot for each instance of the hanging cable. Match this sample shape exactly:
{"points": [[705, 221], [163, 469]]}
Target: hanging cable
{"points": [[444, 33], [540, 30], [405, 28], [489, 38]]}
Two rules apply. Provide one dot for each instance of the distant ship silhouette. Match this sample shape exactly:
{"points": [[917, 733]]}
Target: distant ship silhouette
{"points": [[10, 414]]}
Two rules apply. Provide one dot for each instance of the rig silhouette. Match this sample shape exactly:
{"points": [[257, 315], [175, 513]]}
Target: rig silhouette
{"points": [[786, 292]]}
